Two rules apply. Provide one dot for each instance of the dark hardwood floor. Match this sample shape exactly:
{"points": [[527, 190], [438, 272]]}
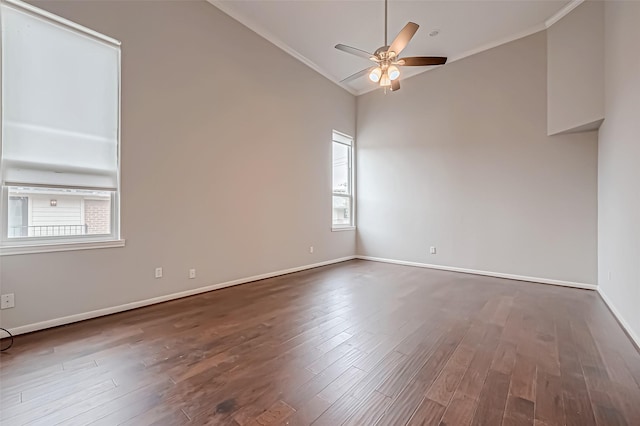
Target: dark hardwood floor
{"points": [[357, 343]]}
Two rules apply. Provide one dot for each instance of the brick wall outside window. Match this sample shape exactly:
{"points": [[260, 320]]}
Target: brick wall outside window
{"points": [[97, 214]]}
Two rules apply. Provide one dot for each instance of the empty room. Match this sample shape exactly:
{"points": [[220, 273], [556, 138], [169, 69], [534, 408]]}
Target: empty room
{"points": [[327, 212]]}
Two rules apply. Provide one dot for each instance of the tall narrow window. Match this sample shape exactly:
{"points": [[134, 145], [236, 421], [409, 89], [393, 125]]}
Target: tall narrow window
{"points": [[59, 163], [343, 202]]}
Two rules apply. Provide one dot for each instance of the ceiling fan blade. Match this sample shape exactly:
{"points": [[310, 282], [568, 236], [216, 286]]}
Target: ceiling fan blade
{"points": [[354, 51], [395, 85], [421, 61], [403, 38], [356, 75]]}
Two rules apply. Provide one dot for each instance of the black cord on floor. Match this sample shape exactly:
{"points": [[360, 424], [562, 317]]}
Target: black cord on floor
{"points": [[10, 337]]}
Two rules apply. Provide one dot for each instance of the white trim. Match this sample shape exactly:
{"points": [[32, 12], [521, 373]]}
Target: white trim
{"points": [[563, 12], [344, 228], [67, 23], [485, 273], [616, 313], [50, 248], [134, 305], [258, 29]]}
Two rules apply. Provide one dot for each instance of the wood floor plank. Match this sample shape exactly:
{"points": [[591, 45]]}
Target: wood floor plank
{"points": [[307, 413], [339, 412], [348, 404], [441, 391], [158, 414], [460, 411], [492, 400], [605, 407], [296, 397], [428, 413], [403, 407], [386, 346], [501, 312], [406, 370], [369, 411], [103, 404], [549, 406], [339, 386], [23, 413], [378, 374], [275, 415], [505, 358], [518, 412], [473, 379], [9, 399], [577, 405], [523, 378]]}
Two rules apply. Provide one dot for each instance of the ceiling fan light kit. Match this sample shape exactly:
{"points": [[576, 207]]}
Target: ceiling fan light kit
{"points": [[386, 72]]}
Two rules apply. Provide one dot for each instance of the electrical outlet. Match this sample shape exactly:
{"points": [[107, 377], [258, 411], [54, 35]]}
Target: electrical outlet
{"points": [[432, 250], [8, 301], [311, 249], [158, 272], [192, 274]]}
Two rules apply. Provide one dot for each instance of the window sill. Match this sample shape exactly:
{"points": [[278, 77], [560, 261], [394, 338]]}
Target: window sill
{"points": [[344, 228], [50, 248]]}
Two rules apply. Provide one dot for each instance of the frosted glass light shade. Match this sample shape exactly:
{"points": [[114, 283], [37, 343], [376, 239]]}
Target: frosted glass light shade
{"points": [[375, 74], [393, 72]]}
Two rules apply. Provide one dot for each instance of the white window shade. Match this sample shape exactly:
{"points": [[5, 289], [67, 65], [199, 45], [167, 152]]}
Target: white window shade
{"points": [[60, 105]]}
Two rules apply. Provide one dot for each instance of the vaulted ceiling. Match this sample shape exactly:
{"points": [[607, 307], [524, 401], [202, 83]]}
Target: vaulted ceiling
{"points": [[309, 29]]}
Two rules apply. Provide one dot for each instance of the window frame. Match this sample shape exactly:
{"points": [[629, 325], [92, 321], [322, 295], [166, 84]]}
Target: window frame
{"points": [[27, 245], [352, 187]]}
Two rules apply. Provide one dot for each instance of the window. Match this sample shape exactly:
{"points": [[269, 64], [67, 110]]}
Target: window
{"points": [[59, 163], [343, 201], [55, 212]]}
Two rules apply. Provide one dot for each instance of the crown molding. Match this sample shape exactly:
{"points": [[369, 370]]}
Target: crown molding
{"points": [[258, 29], [563, 12], [262, 32]]}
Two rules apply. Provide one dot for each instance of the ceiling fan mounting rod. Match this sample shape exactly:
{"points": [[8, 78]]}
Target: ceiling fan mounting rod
{"points": [[385, 21]]}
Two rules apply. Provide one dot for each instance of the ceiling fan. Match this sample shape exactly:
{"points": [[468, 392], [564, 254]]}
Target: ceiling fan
{"points": [[386, 72]]}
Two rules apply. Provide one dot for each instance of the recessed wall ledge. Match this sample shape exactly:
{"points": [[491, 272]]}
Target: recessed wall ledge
{"points": [[587, 127]]}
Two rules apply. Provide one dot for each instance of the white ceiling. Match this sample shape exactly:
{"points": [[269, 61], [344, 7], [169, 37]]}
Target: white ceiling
{"points": [[309, 29]]}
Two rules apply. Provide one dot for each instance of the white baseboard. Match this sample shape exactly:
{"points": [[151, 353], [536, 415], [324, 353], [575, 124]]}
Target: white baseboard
{"points": [[133, 305], [485, 273], [138, 304], [616, 313]]}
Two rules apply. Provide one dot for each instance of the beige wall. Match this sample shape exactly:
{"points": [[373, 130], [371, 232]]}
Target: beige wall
{"points": [[226, 160], [619, 174], [460, 159], [575, 69]]}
